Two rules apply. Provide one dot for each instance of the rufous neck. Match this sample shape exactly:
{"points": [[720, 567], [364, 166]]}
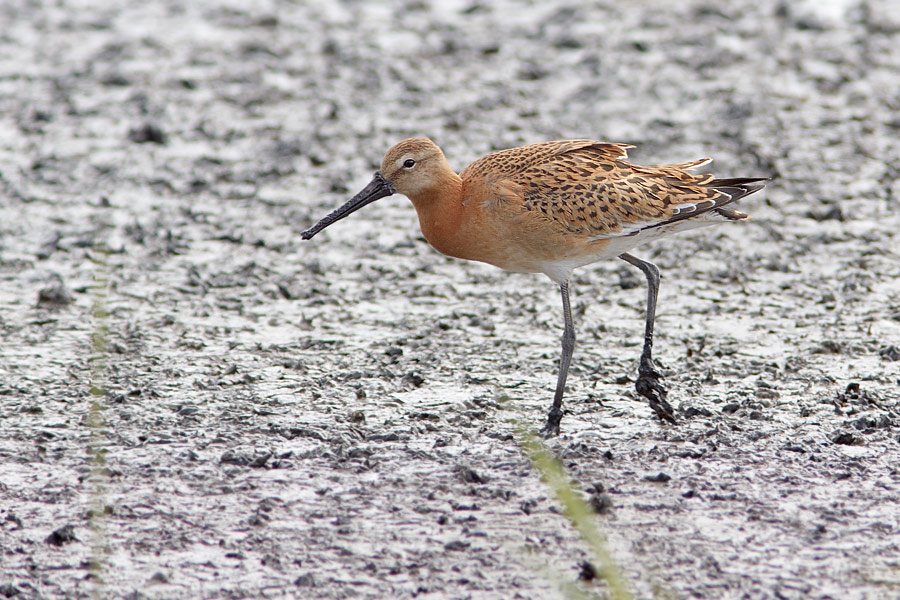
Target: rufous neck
{"points": [[440, 210]]}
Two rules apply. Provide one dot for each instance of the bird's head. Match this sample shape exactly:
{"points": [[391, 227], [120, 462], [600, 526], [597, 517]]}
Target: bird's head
{"points": [[409, 168]]}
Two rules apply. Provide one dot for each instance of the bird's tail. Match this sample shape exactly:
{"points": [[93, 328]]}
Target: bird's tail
{"points": [[737, 188]]}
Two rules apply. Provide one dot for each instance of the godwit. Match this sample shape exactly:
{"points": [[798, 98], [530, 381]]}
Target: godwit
{"points": [[549, 208]]}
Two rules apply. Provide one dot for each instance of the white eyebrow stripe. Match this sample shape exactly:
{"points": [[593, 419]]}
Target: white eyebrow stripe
{"points": [[403, 159]]}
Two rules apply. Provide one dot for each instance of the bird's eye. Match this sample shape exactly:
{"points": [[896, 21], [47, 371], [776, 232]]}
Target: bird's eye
{"points": [[409, 163]]}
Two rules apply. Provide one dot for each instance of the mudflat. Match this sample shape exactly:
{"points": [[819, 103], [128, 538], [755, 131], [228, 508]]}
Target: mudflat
{"points": [[194, 403]]}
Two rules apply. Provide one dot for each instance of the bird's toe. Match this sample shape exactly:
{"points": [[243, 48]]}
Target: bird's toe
{"points": [[648, 386], [551, 427]]}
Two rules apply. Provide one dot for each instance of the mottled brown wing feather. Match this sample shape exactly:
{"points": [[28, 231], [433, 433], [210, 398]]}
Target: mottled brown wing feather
{"points": [[588, 188], [516, 160], [591, 190]]}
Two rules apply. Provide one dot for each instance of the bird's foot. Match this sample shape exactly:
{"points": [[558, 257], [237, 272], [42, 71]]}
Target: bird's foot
{"points": [[648, 386], [551, 428]]}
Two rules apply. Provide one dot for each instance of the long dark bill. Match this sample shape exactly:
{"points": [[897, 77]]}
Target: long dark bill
{"points": [[379, 187]]}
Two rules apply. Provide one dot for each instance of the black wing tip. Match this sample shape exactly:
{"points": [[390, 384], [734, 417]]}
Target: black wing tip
{"points": [[737, 187], [749, 183], [737, 180]]}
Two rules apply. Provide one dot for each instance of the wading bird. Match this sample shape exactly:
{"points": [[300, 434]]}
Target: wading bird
{"points": [[550, 208]]}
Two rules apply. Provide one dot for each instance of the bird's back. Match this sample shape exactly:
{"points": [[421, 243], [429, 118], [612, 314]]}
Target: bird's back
{"points": [[587, 188]]}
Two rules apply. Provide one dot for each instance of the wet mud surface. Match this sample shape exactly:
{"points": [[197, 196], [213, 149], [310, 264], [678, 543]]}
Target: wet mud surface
{"points": [[195, 403]]}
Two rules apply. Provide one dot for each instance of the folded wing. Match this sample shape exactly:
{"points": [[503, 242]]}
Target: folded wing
{"points": [[588, 188]]}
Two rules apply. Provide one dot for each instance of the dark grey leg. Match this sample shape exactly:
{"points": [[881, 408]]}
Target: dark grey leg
{"points": [[647, 384], [568, 346]]}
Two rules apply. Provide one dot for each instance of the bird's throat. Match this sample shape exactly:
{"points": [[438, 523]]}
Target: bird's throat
{"points": [[440, 209]]}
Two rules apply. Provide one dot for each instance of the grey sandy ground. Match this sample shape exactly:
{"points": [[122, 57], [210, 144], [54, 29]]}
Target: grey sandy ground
{"points": [[328, 420]]}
